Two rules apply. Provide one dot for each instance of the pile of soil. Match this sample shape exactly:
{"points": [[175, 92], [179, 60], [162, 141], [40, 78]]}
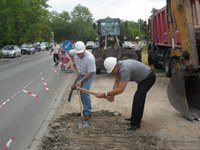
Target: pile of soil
{"points": [[106, 130]]}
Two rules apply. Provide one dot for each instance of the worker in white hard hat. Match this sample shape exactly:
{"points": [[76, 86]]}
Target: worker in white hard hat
{"points": [[127, 71], [138, 48], [86, 68]]}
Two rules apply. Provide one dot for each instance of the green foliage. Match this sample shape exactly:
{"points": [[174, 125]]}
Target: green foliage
{"points": [[135, 29], [24, 21], [82, 24]]}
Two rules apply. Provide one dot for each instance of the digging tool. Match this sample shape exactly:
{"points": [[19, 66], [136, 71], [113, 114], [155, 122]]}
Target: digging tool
{"points": [[109, 98], [83, 123], [72, 89]]}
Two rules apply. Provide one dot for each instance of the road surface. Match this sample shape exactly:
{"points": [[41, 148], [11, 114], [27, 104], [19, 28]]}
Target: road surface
{"points": [[21, 114]]}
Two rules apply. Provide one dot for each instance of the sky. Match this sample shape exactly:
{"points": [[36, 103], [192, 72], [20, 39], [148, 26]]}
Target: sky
{"points": [[130, 10]]}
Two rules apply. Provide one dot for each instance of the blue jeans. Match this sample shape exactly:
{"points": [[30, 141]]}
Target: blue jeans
{"points": [[87, 108]]}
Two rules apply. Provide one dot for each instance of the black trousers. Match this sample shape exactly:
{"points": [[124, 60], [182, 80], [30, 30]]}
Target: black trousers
{"points": [[140, 97], [55, 59], [139, 55]]}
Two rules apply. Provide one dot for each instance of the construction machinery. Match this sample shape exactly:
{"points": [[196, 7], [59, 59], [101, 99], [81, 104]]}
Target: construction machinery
{"points": [[111, 38], [174, 44]]}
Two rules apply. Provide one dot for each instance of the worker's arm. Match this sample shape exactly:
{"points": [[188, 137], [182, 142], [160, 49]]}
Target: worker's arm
{"points": [[85, 77], [118, 88]]}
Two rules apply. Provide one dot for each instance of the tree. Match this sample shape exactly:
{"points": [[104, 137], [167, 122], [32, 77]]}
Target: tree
{"points": [[82, 24], [22, 21], [60, 24]]}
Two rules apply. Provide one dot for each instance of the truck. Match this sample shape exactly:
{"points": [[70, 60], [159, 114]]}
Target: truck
{"points": [[174, 45], [111, 38]]}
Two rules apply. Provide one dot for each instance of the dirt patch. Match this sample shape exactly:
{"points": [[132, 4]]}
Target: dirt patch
{"points": [[107, 130]]}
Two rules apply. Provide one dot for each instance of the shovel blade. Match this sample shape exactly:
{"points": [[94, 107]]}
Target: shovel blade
{"points": [[83, 125]]}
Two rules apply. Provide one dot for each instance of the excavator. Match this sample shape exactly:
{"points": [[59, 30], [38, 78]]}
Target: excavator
{"points": [[184, 85], [174, 44]]}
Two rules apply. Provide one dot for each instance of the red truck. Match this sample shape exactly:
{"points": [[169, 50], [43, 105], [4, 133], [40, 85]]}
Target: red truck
{"points": [[174, 44], [159, 40]]}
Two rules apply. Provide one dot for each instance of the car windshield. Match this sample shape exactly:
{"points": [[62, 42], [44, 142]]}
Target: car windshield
{"points": [[10, 47], [23, 46], [29, 46], [90, 43]]}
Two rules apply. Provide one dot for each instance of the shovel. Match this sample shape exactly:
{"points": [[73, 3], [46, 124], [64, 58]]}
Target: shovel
{"points": [[83, 123]]}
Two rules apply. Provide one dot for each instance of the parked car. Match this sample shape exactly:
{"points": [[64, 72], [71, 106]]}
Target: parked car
{"points": [[42, 47], [89, 45], [37, 46], [11, 51], [96, 45], [31, 49], [24, 49], [128, 45]]}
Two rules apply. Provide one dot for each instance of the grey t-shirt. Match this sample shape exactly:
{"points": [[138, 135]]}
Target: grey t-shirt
{"points": [[133, 70], [86, 64]]}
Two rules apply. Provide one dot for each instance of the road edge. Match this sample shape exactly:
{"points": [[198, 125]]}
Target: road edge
{"points": [[44, 126]]}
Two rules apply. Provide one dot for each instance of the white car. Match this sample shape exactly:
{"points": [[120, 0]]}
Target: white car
{"points": [[42, 47], [89, 45], [11, 51], [128, 45]]}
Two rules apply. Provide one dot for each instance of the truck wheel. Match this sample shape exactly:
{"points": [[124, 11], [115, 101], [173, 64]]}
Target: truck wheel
{"points": [[98, 71], [150, 59], [150, 55], [167, 65], [155, 60]]}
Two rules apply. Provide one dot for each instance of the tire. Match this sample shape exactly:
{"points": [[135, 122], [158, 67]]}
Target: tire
{"points": [[167, 65], [98, 71], [155, 60], [150, 59], [14, 55]]}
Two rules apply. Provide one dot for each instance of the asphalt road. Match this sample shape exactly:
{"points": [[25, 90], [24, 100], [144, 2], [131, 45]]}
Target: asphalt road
{"points": [[21, 114]]}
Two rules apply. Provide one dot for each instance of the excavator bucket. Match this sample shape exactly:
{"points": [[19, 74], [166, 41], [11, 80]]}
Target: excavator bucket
{"points": [[184, 94]]}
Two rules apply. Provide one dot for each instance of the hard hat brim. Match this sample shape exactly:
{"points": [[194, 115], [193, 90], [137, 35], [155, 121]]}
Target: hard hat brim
{"points": [[78, 52]]}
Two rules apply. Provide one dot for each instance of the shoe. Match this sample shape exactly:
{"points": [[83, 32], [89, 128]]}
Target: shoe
{"points": [[87, 117], [134, 127], [128, 119]]}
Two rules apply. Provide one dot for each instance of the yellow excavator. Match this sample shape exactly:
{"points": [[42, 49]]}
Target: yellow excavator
{"points": [[174, 44], [184, 85]]}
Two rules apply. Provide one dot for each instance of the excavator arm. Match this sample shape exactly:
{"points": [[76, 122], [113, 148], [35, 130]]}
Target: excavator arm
{"points": [[184, 85]]}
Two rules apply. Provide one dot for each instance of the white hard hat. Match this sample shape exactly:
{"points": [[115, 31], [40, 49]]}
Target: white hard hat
{"points": [[110, 63], [137, 38], [79, 47]]}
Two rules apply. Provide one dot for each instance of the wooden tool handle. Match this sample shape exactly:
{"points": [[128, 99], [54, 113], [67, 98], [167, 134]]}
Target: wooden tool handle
{"points": [[109, 98], [85, 91]]}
